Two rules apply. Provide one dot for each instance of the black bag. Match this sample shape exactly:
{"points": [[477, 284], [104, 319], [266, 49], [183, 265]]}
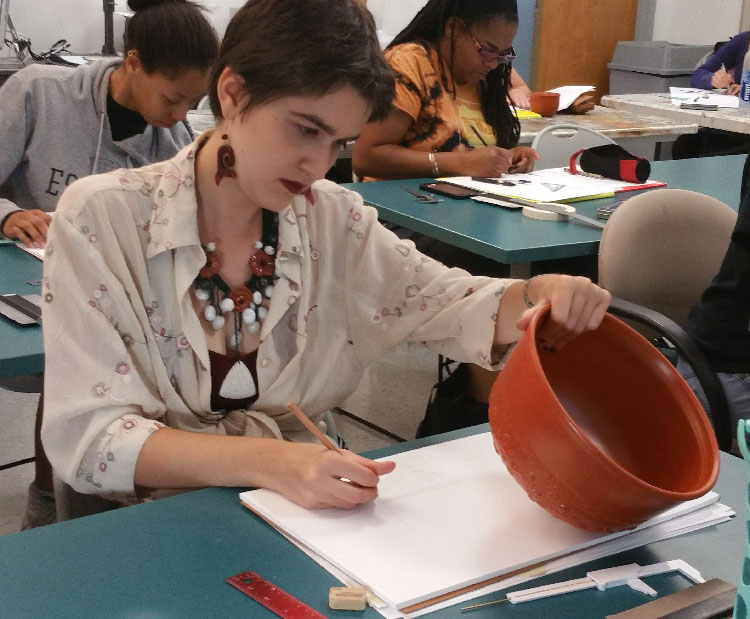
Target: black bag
{"points": [[613, 161], [450, 406]]}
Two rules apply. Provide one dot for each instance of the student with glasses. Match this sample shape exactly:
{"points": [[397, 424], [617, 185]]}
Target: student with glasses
{"points": [[451, 116]]}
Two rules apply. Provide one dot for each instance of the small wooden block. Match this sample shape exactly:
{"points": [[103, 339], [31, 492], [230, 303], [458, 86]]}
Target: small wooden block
{"points": [[347, 598]]}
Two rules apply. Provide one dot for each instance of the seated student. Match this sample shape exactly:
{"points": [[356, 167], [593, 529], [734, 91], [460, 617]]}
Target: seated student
{"points": [[719, 321], [200, 295], [58, 124], [519, 94], [450, 116], [723, 68]]}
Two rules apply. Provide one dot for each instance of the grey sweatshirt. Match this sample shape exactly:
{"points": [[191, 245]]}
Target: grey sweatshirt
{"points": [[54, 129]]}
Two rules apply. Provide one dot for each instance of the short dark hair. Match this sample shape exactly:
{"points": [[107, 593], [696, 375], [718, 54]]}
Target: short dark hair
{"points": [[171, 36], [429, 26], [304, 47]]}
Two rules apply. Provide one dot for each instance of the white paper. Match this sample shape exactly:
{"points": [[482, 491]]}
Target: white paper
{"points": [[450, 515], [550, 185], [568, 94], [704, 97], [37, 252], [705, 516]]}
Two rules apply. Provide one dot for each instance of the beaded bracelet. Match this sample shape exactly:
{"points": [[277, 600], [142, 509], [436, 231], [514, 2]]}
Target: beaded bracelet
{"points": [[433, 161], [525, 292]]}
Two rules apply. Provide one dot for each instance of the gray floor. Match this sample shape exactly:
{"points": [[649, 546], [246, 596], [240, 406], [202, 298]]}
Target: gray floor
{"points": [[392, 394]]}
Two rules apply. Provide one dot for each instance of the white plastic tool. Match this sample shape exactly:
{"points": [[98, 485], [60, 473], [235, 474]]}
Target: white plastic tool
{"points": [[629, 575]]}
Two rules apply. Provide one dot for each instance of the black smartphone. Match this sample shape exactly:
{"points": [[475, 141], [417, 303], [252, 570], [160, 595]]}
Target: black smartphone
{"points": [[452, 191]]}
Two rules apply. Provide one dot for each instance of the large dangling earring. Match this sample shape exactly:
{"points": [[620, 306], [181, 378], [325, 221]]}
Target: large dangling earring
{"points": [[225, 163]]}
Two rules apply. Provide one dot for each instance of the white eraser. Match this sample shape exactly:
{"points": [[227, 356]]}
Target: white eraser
{"points": [[347, 598]]}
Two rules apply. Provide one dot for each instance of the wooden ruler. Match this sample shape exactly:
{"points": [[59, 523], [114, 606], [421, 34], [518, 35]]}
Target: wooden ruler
{"points": [[272, 597]]}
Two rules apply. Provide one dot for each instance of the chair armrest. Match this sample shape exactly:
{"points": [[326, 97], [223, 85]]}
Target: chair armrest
{"points": [[689, 351]]}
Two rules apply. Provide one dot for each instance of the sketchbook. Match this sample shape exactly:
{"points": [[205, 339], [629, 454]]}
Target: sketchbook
{"points": [[450, 517], [550, 185]]}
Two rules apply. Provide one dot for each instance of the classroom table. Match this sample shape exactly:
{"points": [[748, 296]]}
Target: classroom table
{"points": [[639, 132], [659, 104], [169, 558], [512, 239], [502, 235], [20, 346]]}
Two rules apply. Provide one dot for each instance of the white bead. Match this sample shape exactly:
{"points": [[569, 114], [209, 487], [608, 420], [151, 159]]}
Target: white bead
{"points": [[201, 294], [218, 322], [211, 246], [269, 291], [249, 316], [262, 312], [257, 297], [254, 328], [269, 250], [258, 245], [236, 339], [209, 312], [226, 305]]}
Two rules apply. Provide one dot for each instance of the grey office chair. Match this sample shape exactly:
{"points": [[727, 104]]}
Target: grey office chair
{"points": [[659, 251], [556, 144]]}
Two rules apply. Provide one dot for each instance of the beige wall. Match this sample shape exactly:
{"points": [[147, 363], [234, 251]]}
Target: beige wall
{"points": [[745, 21]]}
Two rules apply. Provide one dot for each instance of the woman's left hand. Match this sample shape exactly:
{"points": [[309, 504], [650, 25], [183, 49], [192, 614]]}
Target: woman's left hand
{"points": [[584, 103], [577, 305], [522, 159]]}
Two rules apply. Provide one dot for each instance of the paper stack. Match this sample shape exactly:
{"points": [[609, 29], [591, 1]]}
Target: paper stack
{"points": [[449, 524]]}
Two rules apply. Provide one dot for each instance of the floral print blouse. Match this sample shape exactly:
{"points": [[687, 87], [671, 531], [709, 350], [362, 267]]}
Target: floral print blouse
{"points": [[126, 353]]}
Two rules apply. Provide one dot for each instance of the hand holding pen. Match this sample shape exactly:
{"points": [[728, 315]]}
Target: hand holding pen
{"points": [[723, 79]]}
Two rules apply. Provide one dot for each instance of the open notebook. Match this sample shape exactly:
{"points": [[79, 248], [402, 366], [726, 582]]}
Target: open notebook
{"points": [[449, 519]]}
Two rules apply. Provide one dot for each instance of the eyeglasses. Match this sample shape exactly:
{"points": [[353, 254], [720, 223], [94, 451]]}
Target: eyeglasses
{"points": [[492, 57]]}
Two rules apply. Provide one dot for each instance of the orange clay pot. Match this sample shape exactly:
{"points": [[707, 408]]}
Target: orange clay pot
{"points": [[544, 103], [603, 433]]}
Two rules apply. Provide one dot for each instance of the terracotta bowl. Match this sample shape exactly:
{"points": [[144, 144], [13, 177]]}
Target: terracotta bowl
{"points": [[604, 433], [544, 103]]}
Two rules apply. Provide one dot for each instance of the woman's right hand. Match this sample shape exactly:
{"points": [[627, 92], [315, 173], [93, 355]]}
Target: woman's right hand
{"points": [[488, 161], [28, 226], [721, 79], [315, 477]]}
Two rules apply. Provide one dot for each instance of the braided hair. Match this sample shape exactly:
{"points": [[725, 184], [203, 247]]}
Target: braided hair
{"points": [[429, 26]]}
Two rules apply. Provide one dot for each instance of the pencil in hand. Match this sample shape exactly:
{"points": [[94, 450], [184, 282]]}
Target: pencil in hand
{"points": [[307, 422]]}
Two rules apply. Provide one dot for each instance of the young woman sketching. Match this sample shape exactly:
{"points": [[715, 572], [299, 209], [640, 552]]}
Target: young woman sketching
{"points": [[202, 294]]}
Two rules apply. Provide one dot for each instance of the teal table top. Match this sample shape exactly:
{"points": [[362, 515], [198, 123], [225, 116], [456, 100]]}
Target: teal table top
{"points": [[20, 346], [169, 559], [509, 237]]}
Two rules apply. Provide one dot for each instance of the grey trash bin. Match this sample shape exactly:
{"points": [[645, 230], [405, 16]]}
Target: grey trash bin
{"points": [[652, 66]]}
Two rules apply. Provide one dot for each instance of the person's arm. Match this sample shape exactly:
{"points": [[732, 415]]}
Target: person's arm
{"points": [[584, 103], [519, 92], [577, 305], [378, 153], [714, 72], [306, 473], [16, 123]]}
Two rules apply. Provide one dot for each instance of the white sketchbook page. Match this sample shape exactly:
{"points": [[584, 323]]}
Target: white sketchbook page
{"points": [[706, 97], [450, 515], [568, 94], [708, 514], [550, 185]]}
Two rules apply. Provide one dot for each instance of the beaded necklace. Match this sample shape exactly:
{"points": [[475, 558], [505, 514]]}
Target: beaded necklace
{"points": [[244, 301]]}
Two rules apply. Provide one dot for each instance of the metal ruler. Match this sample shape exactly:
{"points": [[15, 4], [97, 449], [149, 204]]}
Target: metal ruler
{"points": [[272, 597]]}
